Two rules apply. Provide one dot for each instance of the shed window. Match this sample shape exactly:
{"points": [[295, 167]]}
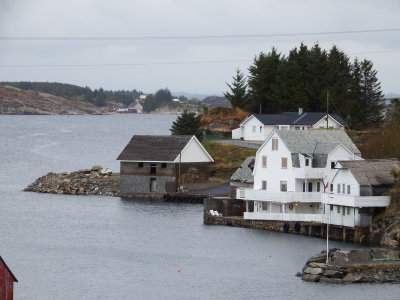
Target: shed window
{"points": [[140, 165], [307, 162], [264, 161], [344, 189], [284, 163], [163, 165], [348, 189], [338, 188], [275, 144]]}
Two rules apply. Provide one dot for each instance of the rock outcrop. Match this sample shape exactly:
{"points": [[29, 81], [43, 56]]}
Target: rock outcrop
{"points": [[353, 266], [94, 181]]}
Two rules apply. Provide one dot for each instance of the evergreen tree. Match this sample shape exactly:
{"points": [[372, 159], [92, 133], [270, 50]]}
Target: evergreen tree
{"points": [[262, 82], [187, 124], [99, 97], [238, 95], [371, 101]]}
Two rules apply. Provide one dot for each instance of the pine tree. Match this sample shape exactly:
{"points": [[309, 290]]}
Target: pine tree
{"points": [[187, 124], [238, 94]]}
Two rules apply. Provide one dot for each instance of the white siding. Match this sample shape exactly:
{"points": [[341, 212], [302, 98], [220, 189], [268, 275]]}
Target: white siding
{"points": [[273, 173], [345, 177], [194, 152], [248, 133], [331, 124]]}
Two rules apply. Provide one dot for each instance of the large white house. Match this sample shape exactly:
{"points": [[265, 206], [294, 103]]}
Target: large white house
{"points": [[306, 176], [258, 127]]}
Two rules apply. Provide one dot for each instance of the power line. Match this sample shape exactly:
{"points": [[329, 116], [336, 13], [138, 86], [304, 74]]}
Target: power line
{"points": [[189, 37]]}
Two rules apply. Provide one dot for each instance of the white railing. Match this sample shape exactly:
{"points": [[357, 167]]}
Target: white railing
{"points": [[308, 172], [356, 201], [281, 197], [285, 217]]}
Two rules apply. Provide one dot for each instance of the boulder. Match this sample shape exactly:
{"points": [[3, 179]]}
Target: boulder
{"points": [[379, 253], [311, 278], [330, 280], [390, 243], [340, 257], [313, 271], [333, 273], [317, 265], [351, 278], [360, 255]]}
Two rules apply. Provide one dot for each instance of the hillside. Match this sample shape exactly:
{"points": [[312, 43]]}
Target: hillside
{"points": [[17, 101], [215, 101]]}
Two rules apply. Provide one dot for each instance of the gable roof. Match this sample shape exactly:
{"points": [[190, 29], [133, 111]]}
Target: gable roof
{"points": [[316, 141], [8, 269], [372, 171], [245, 172], [293, 118], [154, 147]]}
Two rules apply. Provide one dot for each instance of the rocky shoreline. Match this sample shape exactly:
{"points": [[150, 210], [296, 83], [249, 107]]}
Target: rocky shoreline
{"points": [[94, 181], [374, 265]]}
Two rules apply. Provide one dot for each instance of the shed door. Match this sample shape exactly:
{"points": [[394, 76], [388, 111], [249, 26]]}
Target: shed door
{"points": [[153, 184]]}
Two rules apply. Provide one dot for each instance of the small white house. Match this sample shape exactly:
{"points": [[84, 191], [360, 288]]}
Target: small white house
{"points": [[258, 127], [295, 173]]}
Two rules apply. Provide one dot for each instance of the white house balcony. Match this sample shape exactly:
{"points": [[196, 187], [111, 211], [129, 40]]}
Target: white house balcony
{"points": [[356, 201], [281, 197], [309, 173], [285, 217]]}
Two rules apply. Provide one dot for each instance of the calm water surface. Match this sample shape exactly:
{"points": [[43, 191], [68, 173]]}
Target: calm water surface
{"points": [[93, 247]]}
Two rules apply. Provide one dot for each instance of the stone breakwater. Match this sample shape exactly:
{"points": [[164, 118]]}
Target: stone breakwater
{"points": [[94, 181], [375, 265]]}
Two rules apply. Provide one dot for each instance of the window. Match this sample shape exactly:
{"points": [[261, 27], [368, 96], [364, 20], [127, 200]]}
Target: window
{"points": [[140, 165], [331, 206], [163, 165], [284, 163], [283, 186], [264, 185], [264, 205], [332, 187], [242, 193], [307, 162], [304, 187], [275, 144], [348, 189], [338, 188], [264, 161], [333, 164], [344, 211], [153, 168], [348, 210], [297, 128], [310, 186], [338, 209], [344, 189], [260, 128], [254, 129], [318, 186]]}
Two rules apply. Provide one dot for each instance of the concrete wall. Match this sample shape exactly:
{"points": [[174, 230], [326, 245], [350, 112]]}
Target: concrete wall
{"points": [[132, 168], [136, 184]]}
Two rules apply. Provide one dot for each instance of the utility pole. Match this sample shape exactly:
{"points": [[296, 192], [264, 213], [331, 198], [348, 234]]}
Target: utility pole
{"points": [[327, 108], [260, 108]]}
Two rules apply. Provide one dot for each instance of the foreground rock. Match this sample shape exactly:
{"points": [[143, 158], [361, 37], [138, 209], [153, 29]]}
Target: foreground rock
{"points": [[94, 181], [353, 266]]}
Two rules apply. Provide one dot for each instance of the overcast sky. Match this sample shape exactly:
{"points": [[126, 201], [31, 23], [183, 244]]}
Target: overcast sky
{"points": [[160, 63]]}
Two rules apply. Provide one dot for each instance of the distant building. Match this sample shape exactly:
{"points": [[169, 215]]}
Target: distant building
{"points": [[316, 176], [160, 164], [7, 280], [258, 127]]}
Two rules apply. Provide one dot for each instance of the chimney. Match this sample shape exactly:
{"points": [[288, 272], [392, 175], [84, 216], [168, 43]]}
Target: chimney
{"points": [[300, 111]]}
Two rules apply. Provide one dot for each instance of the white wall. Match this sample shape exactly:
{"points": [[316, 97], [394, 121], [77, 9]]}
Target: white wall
{"points": [[331, 124], [345, 177], [273, 173], [248, 133], [194, 152]]}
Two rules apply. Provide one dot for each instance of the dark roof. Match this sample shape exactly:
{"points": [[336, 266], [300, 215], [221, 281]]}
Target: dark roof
{"points": [[8, 269], [293, 118], [154, 147], [310, 118], [275, 119], [372, 171]]}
